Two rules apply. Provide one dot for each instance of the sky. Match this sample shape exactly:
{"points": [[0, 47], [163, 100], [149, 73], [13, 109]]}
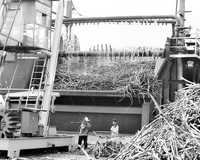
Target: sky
{"points": [[123, 35]]}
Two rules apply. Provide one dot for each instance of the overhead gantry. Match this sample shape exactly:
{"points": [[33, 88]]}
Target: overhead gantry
{"points": [[148, 19]]}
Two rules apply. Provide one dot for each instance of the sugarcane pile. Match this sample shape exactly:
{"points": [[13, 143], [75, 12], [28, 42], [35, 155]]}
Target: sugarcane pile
{"points": [[109, 147], [173, 135], [115, 76]]}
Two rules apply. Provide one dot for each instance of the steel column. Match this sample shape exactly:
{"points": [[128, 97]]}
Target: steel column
{"points": [[44, 116], [181, 17]]}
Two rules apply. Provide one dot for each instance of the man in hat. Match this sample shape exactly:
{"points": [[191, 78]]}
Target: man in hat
{"points": [[83, 133]]}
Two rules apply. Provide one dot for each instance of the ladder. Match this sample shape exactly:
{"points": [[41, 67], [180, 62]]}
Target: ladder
{"points": [[38, 72], [37, 83]]}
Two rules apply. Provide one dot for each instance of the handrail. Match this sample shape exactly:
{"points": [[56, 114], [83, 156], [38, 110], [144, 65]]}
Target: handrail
{"points": [[12, 24]]}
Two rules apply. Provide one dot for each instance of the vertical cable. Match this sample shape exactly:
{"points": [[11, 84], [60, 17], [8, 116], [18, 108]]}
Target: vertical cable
{"points": [[176, 7]]}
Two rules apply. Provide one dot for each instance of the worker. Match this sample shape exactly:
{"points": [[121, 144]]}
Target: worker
{"points": [[114, 129], [85, 127], [2, 103]]}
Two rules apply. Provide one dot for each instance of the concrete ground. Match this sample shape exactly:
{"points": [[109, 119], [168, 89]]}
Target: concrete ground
{"points": [[92, 139], [58, 156], [73, 154], [61, 157]]}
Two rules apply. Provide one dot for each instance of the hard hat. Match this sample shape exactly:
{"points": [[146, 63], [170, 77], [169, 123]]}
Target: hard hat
{"points": [[86, 119]]}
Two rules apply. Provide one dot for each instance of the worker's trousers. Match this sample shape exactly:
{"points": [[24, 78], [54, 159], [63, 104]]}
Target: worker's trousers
{"points": [[84, 139]]}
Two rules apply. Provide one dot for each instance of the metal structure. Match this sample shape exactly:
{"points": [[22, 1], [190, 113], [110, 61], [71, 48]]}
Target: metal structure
{"points": [[181, 63], [26, 114], [177, 47], [123, 19], [36, 102], [176, 56]]}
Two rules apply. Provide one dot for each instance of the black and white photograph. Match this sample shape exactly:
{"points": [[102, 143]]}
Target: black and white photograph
{"points": [[99, 79]]}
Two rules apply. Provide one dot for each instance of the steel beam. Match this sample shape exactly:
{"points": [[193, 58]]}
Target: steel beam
{"points": [[99, 109], [129, 19], [181, 23], [47, 98]]}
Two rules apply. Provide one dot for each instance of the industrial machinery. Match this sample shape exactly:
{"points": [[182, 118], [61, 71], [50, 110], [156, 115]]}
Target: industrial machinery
{"points": [[29, 58], [26, 114], [171, 69]]}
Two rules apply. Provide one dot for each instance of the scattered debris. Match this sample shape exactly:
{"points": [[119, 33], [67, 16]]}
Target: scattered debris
{"points": [[109, 147]]}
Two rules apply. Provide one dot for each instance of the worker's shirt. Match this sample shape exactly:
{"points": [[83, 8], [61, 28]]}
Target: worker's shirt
{"points": [[84, 129], [114, 131]]}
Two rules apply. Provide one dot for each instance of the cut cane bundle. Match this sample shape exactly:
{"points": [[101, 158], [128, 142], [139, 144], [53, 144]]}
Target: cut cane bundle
{"points": [[173, 135]]}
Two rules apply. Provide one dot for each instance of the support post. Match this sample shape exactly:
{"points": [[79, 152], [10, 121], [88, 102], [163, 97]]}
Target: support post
{"points": [[180, 33], [47, 97], [145, 113], [179, 72], [69, 9]]}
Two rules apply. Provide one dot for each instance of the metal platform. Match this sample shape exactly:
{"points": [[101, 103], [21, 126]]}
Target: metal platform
{"points": [[13, 146], [185, 56], [98, 93]]}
